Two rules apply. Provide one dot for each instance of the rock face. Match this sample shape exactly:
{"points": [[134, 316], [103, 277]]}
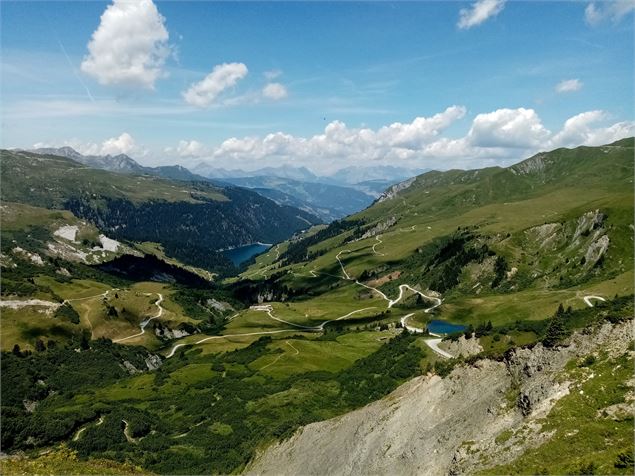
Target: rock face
{"points": [[438, 426], [153, 362], [410, 432], [395, 189], [379, 228], [464, 347]]}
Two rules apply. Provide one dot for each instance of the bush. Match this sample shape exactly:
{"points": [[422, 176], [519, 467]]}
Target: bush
{"points": [[624, 460], [67, 312]]}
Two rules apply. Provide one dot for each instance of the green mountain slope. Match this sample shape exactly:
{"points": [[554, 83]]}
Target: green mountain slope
{"points": [[191, 220], [559, 220]]}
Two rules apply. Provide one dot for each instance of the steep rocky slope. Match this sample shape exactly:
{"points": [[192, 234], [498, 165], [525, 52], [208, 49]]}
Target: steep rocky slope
{"points": [[479, 417]]}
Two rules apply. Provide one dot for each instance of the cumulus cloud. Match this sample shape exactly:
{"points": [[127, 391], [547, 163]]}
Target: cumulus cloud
{"points": [[568, 86], [514, 128], [503, 135], [596, 12], [130, 45], [274, 91], [222, 77], [122, 144], [191, 148], [394, 141], [579, 130], [479, 12]]}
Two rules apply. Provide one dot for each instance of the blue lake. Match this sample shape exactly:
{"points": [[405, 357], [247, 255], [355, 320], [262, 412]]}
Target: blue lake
{"points": [[243, 253], [444, 327]]}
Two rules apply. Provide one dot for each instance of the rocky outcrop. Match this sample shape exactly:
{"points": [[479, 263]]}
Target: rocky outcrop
{"points": [[395, 189], [587, 222], [463, 347], [130, 368], [439, 426], [597, 249], [153, 362], [379, 228]]}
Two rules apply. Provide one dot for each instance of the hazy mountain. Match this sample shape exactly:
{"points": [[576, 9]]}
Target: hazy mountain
{"points": [[328, 201], [388, 173], [346, 176], [284, 171]]}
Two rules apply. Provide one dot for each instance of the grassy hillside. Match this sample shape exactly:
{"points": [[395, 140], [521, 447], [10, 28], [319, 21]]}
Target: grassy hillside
{"points": [[498, 244], [190, 220]]}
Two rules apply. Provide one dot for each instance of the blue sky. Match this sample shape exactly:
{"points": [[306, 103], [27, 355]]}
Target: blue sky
{"points": [[324, 85]]}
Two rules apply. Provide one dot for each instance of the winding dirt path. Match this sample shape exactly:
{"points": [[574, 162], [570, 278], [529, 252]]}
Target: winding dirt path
{"points": [[379, 242], [587, 300], [434, 345], [126, 433], [337, 257], [145, 322], [226, 336], [280, 356], [268, 309]]}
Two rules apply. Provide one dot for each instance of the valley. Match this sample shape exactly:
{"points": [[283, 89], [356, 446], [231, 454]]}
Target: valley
{"points": [[122, 345]]}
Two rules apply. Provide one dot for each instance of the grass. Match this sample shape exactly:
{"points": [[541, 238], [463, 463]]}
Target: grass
{"points": [[62, 176], [299, 356], [62, 460], [24, 326], [18, 216], [133, 305]]}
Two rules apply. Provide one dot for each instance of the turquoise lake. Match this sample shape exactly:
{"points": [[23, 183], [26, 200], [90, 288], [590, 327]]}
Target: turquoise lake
{"points": [[243, 253], [444, 327]]}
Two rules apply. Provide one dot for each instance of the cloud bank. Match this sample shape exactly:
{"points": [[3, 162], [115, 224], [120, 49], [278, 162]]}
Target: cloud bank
{"points": [[499, 136]]}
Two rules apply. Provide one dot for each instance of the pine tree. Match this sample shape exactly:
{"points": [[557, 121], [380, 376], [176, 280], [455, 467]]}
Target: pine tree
{"points": [[556, 331]]}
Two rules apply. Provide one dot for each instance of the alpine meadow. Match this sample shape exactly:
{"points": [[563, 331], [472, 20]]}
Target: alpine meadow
{"points": [[316, 238]]}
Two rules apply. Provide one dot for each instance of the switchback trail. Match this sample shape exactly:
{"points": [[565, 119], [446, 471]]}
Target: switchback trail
{"points": [[268, 309], [145, 322]]}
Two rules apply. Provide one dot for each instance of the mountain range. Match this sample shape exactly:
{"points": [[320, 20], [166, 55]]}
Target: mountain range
{"points": [[191, 220], [501, 298], [347, 191]]}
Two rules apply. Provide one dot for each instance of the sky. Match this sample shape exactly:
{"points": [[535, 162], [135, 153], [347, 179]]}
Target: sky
{"points": [[324, 85]]}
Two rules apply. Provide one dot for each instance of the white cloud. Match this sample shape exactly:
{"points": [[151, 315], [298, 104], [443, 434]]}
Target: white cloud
{"points": [[569, 86], [272, 74], [395, 141], [130, 45], [274, 91], [222, 77], [421, 130], [514, 128], [500, 137], [614, 10], [123, 144], [579, 130], [479, 11], [191, 148]]}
